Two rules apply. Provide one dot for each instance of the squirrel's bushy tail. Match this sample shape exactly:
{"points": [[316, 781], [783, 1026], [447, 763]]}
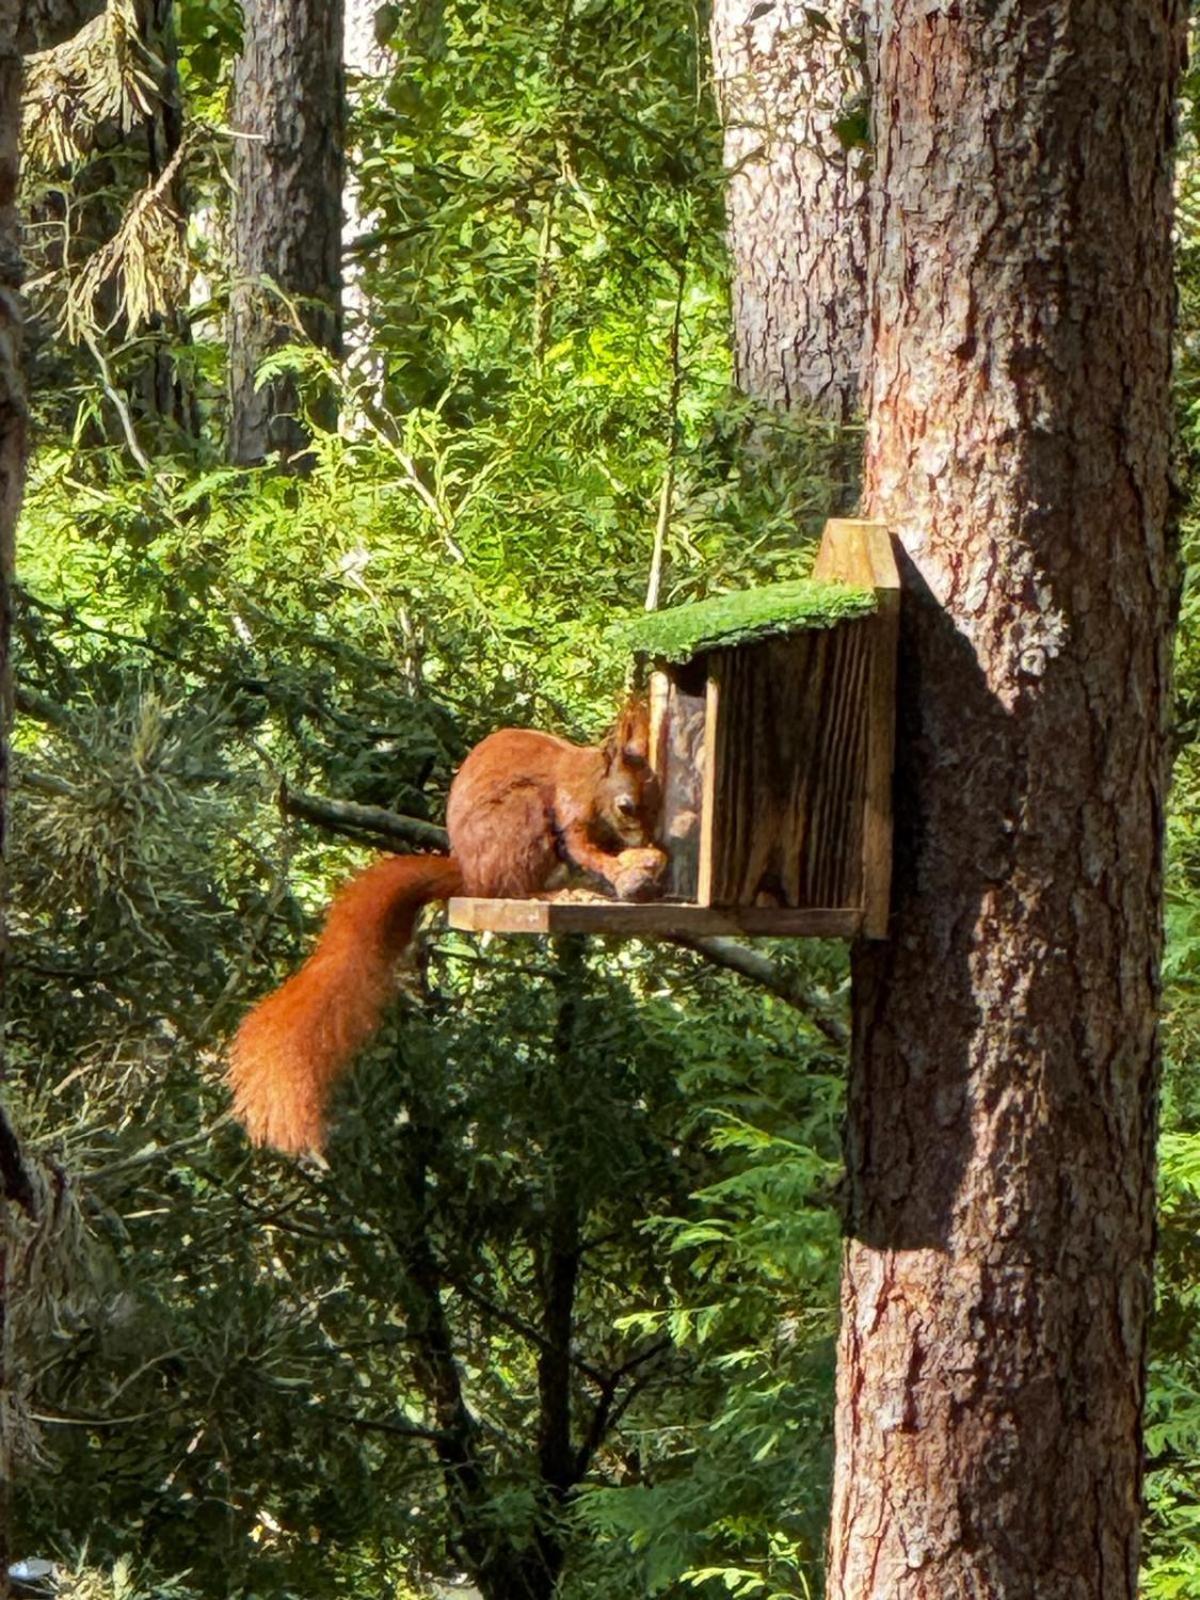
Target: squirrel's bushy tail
{"points": [[296, 1043]]}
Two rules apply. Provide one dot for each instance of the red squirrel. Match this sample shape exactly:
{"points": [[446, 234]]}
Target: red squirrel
{"points": [[521, 805]]}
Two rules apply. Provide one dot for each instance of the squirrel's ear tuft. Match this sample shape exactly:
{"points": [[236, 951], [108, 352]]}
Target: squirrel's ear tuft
{"points": [[632, 732]]}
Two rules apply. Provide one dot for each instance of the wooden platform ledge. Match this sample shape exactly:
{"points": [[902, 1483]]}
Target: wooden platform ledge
{"points": [[651, 920]]}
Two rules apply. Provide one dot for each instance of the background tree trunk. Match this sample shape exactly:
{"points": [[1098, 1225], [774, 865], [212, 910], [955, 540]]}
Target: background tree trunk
{"points": [[1003, 1083], [288, 169], [166, 392], [790, 87], [366, 62], [362, 51]]}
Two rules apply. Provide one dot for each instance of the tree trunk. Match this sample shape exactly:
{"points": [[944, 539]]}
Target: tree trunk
{"points": [[1004, 1073], [289, 113], [365, 60], [789, 84], [163, 390]]}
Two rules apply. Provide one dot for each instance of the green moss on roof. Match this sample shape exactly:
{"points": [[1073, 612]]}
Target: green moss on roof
{"points": [[744, 616]]}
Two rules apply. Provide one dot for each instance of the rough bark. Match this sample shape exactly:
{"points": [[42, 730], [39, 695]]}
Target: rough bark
{"points": [[288, 168], [789, 84], [1003, 1083]]}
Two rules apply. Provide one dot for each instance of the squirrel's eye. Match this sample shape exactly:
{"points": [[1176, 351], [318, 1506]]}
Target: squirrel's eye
{"points": [[626, 805]]}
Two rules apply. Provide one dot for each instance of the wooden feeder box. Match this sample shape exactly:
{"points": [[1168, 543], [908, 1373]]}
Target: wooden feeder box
{"points": [[772, 728]]}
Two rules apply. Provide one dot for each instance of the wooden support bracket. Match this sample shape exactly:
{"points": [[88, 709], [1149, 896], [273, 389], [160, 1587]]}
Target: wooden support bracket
{"points": [[649, 920], [862, 553]]}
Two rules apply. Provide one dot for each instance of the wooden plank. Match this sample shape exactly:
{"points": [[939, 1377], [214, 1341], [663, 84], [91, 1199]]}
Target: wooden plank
{"points": [[710, 757], [789, 771], [834, 866], [862, 552], [659, 698], [649, 920], [881, 741], [677, 742], [858, 551]]}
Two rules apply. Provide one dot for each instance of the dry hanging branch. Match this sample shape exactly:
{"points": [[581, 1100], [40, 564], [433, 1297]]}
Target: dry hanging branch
{"points": [[145, 260], [103, 74]]}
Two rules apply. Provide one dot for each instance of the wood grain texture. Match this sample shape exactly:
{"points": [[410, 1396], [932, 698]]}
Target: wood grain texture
{"points": [[659, 918], [880, 754], [789, 771], [861, 552], [784, 748]]}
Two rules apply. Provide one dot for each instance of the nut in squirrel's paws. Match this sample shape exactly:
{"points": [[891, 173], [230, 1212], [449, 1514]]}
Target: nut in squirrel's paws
{"points": [[639, 873]]}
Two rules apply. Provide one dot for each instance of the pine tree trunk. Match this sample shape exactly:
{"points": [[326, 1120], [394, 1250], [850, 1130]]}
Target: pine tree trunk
{"points": [[288, 168], [789, 85], [1004, 1074]]}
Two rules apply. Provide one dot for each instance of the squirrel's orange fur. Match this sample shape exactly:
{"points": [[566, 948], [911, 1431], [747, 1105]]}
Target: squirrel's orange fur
{"points": [[292, 1047], [522, 804]]}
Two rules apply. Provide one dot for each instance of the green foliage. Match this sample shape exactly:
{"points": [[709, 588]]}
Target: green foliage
{"points": [[756, 1316], [241, 1372], [246, 1371]]}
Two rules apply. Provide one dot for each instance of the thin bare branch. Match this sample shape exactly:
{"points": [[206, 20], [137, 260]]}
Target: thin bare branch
{"points": [[344, 816], [760, 969]]}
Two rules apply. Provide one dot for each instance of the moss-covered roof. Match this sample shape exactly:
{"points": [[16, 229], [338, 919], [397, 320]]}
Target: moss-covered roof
{"points": [[744, 616]]}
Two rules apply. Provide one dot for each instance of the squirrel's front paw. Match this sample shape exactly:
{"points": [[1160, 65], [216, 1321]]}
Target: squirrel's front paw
{"points": [[639, 873]]}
